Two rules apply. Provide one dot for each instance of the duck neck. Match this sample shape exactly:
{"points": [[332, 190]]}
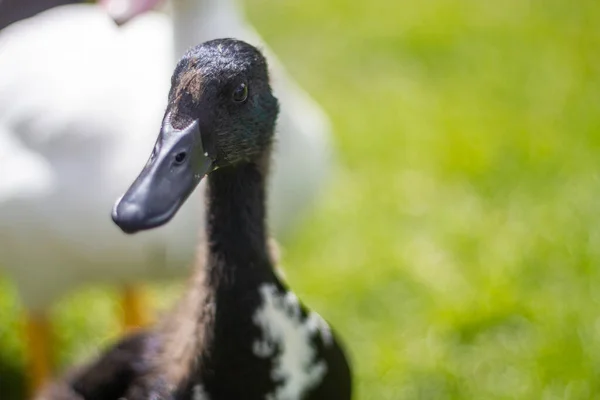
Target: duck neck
{"points": [[236, 221], [196, 21], [233, 259]]}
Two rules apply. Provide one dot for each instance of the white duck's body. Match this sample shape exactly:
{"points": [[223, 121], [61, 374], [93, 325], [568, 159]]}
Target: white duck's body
{"points": [[78, 116]]}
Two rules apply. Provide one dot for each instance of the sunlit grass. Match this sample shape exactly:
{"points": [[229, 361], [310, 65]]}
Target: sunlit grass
{"points": [[457, 250]]}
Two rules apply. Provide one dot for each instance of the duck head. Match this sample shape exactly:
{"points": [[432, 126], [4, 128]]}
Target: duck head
{"points": [[221, 113]]}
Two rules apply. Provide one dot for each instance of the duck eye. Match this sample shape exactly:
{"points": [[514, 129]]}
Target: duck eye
{"points": [[180, 157], [240, 94]]}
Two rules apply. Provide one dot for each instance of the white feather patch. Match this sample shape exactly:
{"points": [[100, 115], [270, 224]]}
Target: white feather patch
{"points": [[280, 319], [317, 324], [199, 393]]}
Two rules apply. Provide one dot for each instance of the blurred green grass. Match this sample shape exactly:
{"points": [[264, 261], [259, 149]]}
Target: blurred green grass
{"points": [[457, 250]]}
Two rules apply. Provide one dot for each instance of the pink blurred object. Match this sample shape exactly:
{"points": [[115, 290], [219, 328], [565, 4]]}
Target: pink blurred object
{"points": [[122, 11]]}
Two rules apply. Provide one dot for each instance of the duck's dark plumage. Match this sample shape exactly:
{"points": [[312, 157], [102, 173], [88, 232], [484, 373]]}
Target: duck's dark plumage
{"points": [[108, 376], [238, 332]]}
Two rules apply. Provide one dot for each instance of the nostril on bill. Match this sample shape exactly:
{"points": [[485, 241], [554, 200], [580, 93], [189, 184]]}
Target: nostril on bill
{"points": [[180, 157]]}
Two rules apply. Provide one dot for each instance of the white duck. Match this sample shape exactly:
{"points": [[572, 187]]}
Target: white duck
{"points": [[78, 116]]}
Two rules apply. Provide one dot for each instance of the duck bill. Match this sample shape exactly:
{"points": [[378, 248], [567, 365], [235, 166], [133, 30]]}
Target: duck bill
{"points": [[176, 166], [122, 11]]}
